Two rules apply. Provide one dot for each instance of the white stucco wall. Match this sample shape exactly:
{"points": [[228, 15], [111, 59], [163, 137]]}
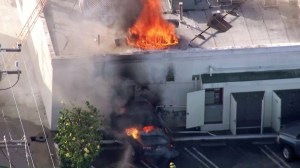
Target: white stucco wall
{"points": [[87, 78], [234, 87], [69, 79], [41, 52]]}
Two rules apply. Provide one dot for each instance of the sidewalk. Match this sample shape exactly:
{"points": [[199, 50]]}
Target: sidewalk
{"points": [[26, 107]]}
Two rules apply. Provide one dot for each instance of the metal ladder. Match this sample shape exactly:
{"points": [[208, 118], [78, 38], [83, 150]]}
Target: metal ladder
{"points": [[24, 33]]}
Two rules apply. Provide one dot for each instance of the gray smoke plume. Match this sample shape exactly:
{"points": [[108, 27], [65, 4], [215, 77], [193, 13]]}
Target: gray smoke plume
{"points": [[112, 13]]}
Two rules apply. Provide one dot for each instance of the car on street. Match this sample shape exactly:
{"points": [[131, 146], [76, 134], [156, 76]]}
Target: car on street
{"points": [[154, 146], [289, 141]]}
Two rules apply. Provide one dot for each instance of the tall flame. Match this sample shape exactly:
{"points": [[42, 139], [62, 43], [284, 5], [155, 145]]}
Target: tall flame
{"points": [[151, 31]]}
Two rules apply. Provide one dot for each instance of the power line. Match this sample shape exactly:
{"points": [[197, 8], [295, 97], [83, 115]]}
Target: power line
{"points": [[25, 32], [7, 151], [17, 108], [37, 108], [14, 83], [7, 158], [21, 38], [6, 125]]}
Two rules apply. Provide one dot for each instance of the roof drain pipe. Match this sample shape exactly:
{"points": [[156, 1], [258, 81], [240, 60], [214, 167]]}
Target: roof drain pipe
{"points": [[195, 83], [211, 69], [181, 11], [200, 82]]}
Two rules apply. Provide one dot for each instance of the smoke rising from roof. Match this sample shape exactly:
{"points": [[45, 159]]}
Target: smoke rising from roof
{"points": [[115, 14], [109, 85]]}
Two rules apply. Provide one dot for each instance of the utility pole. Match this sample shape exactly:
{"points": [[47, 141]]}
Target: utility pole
{"points": [[18, 49], [7, 144], [7, 61], [16, 72], [25, 32]]}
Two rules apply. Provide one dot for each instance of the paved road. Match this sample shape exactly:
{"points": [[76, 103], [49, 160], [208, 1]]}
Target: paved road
{"points": [[218, 154]]}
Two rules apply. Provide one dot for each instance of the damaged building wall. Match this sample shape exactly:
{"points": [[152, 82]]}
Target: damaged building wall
{"points": [[106, 80]]}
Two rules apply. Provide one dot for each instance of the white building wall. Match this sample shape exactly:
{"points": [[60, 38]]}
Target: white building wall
{"points": [[234, 87], [87, 78], [41, 52], [152, 68]]}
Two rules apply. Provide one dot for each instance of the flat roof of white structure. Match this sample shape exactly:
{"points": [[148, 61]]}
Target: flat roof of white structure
{"points": [[257, 25]]}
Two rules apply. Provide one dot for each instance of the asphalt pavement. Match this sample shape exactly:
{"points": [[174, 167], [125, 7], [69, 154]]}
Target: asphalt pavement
{"points": [[255, 153]]}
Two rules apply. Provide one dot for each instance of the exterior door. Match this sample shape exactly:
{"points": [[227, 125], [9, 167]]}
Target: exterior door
{"points": [[195, 109], [276, 112], [233, 109]]}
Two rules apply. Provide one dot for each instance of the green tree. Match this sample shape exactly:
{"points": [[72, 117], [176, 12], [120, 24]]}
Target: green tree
{"points": [[78, 138]]}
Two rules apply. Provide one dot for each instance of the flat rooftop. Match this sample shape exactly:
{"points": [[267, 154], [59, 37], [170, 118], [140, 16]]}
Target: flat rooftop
{"points": [[258, 24]]}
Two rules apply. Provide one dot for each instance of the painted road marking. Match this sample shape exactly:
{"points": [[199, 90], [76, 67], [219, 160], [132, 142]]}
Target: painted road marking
{"points": [[190, 158], [236, 151], [278, 157], [145, 164], [263, 142], [197, 158], [209, 161], [155, 166], [213, 144], [240, 150], [112, 148], [270, 157]]}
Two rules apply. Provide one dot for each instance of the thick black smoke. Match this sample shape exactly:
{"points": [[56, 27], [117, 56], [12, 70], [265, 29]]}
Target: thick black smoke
{"points": [[134, 101]]}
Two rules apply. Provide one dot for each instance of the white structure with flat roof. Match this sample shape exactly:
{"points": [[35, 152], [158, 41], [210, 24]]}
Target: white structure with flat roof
{"points": [[234, 80]]}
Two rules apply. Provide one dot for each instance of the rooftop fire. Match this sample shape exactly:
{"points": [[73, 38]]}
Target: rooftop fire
{"points": [[151, 31]]}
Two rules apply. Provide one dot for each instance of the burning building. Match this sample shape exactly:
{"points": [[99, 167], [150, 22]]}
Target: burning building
{"points": [[232, 65]]}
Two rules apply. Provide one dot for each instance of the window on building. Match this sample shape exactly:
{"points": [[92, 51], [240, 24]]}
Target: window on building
{"points": [[213, 106], [214, 96]]}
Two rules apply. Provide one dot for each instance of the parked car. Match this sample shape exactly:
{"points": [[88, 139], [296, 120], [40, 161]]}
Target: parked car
{"points": [[151, 145], [289, 141], [155, 146]]}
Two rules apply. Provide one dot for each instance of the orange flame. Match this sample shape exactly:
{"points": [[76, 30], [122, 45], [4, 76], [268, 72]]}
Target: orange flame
{"points": [[133, 132], [151, 31], [148, 129]]}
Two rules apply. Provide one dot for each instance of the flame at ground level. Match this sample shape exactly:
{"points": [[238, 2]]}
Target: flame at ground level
{"points": [[151, 31], [133, 132], [148, 129]]}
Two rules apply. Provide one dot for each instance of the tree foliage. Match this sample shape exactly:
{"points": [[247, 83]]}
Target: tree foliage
{"points": [[78, 138]]}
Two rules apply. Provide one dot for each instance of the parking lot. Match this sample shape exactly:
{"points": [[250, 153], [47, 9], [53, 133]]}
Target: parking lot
{"points": [[224, 155], [216, 154]]}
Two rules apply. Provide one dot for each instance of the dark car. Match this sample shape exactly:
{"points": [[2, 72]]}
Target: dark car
{"points": [[289, 141], [154, 146]]}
